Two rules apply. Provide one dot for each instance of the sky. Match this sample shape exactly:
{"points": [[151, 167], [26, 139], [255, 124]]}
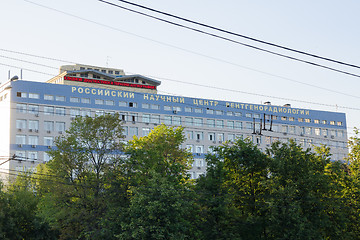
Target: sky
{"points": [[94, 33]]}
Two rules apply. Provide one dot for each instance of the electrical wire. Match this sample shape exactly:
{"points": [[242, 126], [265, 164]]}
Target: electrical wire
{"points": [[239, 35], [233, 41]]}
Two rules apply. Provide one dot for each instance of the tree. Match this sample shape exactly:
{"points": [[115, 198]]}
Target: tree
{"points": [[74, 181]]}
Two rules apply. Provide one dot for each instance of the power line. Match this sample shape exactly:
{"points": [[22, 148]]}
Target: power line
{"points": [[21, 60], [239, 35], [231, 40], [27, 69]]}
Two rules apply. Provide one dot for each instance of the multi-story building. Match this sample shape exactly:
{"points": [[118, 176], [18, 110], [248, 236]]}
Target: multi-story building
{"points": [[34, 113]]}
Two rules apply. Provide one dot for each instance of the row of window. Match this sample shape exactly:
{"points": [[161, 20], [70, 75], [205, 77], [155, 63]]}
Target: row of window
{"points": [[33, 125], [33, 140], [176, 108], [30, 156]]}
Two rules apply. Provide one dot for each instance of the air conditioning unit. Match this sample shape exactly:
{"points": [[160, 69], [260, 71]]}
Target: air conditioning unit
{"points": [[19, 129], [325, 136], [37, 115], [49, 147], [33, 146], [214, 141], [198, 154], [133, 122], [175, 111], [20, 145], [72, 118], [197, 140], [30, 130], [332, 136], [257, 131], [220, 141], [147, 123], [60, 132], [301, 134], [198, 167], [48, 131], [36, 130]]}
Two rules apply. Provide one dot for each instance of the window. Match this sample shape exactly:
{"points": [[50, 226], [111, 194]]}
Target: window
{"points": [[123, 116], [145, 131], [307, 120], [146, 118], [316, 121], [210, 122], [308, 130], [145, 105], [248, 115], [21, 94], [332, 122], [317, 131], [340, 133], [33, 109], [231, 137], [230, 124], [238, 125], [74, 112], [284, 128], [85, 112], [199, 135], [267, 140], [60, 98], [189, 135], [325, 132], [190, 148], [339, 123], [211, 137], [219, 112], [48, 141], [188, 109], [60, 111], [20, 123], [49, 97], [291, 129], [122, 104], [211, 149], [48, 125], [230, 113], [256, 115], [20, 139], [237, 114], [177, 121], [33, 140], [133, 104], [34, 95], [219, 123], [333, 133], [249, 125], [20, 155], [74, 99], [209, 111], [46, 157], [133, 131], [198, 110], [198, 122], [99, 113], [155, 106], [176, 109], [155, 119], [99, 101], [324, 122], [48, 110], [34, 124], [33, 156], [60, 126], [199, 149], [85, 100], [109, 102], [189, 121], [291, 119], [300, 120], [220, 137]]}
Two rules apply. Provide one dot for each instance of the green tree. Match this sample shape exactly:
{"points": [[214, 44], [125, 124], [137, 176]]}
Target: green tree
{"points": [[74, 181]]}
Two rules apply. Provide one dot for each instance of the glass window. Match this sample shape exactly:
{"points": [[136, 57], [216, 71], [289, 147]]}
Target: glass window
{"points": [[230, 124], [34, 124], [167, 108], [33, 156], [219, 112], [145, 105], [317, 131], [307, 120], [46, 157], [332, 122], [99, 101], [188, 109], [74, 112], [60, 126], [209, 111], [34, 95], [21, 94], [60, 111], [74, 99], [231, 137], [21, 108], [20, 139], [33, 140], [248, 115], [49, 97], [211, 137], [60, 98], [300, 119], [256, 115], [85, 100], [189, 121], [146, 118], [249, 125], [190, 148], [177, 121], [99, 113], [229, 113], [155, 106], [308, 130], [133, 104], [238, 125], [122, 104], [85, 112], [20, 155], [189, 135], [291, 129], [284, 128], [198, 110], [123, 116], [199, 135], [291, 119], [133, 131], [48, 141], [316, 121], [339, 123], [220, 137], [199, 149], [109, 102], [167, 120], [48, 110], [20, 123], [48, 125], [219, 123], [198, 122], [324, 122], [340, 133], [155, 119], [33, 109], [237, 114], [210, 122], [145, 131]]}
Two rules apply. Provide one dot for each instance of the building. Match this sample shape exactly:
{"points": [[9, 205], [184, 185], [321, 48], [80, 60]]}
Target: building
{"points": [[34, 113]]}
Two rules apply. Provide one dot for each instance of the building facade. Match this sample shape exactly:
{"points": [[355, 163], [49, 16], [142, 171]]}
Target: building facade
{"points": [[34, 113]]}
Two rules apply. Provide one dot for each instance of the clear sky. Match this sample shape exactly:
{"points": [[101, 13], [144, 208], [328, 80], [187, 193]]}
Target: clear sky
{"points": [[94, 33]]}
